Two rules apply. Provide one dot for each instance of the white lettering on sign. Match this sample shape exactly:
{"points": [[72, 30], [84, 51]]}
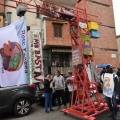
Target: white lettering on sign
{"points": [[36, 56]]}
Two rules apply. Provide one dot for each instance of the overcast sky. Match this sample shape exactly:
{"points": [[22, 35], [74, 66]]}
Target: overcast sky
{"points": [[116, 6]]}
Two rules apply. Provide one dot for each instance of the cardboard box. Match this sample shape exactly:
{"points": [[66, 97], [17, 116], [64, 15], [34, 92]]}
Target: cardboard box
{"points": [[85, 38], [94, 34], [87, 49], [92, 26]]}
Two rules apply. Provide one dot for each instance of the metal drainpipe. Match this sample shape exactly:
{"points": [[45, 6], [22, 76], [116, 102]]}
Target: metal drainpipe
{"points": [[42, 30]]}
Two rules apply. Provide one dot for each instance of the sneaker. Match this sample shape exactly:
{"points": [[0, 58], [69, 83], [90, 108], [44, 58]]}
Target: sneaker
{"points": [[52, 110], [115, 117], [47, 111]]}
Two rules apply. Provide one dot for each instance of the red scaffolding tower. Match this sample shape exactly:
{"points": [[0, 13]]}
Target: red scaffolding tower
{"points": [[85, 107]]}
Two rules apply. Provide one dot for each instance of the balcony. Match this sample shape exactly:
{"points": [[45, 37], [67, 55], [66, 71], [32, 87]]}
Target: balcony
{"points": [[63, 70]]}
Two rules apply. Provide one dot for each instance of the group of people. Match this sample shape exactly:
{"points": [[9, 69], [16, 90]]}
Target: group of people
{"points": [[58, 85], [58, 63], [110, 77]]}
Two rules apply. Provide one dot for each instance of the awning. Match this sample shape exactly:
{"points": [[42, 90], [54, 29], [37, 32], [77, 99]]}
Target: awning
{"points": [[61, 50]]}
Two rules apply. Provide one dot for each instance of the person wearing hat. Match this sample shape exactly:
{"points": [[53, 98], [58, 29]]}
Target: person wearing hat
{"points": [[71, 86]]}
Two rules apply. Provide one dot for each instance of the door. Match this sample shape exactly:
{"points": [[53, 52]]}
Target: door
{"points": [[6, 96]]}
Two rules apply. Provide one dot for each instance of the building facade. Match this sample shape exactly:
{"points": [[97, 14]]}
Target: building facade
{"points": [[58, 38], [105, 48], [57, 46], [2, 14], [55, 35], [33, 19]]}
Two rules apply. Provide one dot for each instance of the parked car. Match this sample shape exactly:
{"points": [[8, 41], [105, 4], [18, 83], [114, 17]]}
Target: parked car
{"points": [[54, 99], [17, 99]]}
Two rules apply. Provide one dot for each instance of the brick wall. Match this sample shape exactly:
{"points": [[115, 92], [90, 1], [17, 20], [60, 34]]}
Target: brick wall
{"points": [[51, 40], [107, 38], [105, 14], [107, 35], [105, 57], [107, 2], [2, 10]]}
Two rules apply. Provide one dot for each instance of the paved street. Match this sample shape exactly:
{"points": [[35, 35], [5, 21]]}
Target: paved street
{"points": [[37, 113]]}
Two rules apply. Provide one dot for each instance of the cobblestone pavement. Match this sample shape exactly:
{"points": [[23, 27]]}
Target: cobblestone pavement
{"points": [[37, 113]]}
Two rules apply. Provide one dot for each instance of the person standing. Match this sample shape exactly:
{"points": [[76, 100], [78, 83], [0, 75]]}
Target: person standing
{"points": [[103, 71], [58, 63], [117, 87], [71, 87], [59, 82], [48, 93], [109, 90]]}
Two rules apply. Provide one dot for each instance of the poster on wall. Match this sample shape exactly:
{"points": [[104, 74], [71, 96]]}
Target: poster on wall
{"points": [[76, 57], [14, 54], [36, 58]]}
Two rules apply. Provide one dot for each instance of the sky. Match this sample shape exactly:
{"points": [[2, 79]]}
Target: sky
{"points": [[116, 6]]}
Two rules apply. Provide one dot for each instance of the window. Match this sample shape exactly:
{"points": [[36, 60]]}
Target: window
{"points": [[38, 11], [57, 30], [9, 17]]}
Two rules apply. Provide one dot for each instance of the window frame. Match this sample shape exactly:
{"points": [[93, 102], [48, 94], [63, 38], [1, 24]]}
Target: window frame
{"points": [[57, 30]]}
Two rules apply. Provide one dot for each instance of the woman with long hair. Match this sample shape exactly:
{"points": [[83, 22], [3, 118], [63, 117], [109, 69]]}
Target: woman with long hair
{"points": [[48, 93]]}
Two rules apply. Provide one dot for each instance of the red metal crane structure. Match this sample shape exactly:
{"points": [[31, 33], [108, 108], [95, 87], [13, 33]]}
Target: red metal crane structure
{"points": [[85, 107]]}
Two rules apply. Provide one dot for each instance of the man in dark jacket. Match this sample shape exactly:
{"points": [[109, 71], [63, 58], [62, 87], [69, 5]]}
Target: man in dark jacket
{"points": [[117, 85], [116, 94]]}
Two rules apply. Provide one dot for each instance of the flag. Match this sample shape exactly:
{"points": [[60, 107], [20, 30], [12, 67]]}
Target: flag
{"points": [[13, 54]]}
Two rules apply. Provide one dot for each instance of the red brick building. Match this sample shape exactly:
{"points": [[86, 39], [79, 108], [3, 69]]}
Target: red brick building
{"points": [[2, 11], [105, 48], [57, 45]]}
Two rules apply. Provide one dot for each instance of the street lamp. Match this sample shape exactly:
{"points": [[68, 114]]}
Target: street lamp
{"points": [[21, 10]]}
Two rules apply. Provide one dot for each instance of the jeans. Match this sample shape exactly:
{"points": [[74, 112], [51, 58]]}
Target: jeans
{"points": [[48, 101], [113, 108], [60, 93]]}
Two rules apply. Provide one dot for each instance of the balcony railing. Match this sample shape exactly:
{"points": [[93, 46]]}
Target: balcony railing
{"points": [[63, 70]]}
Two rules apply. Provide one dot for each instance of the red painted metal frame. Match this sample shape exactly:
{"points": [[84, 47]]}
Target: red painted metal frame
{"points": [[85, 107]]}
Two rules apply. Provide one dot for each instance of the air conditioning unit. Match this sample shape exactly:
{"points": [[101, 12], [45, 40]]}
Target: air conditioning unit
{"points": [[21, 10]]}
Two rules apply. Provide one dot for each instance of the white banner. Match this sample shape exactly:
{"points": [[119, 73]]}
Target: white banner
{"points": [[36, 58], [13, 54], [108, 84]]}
